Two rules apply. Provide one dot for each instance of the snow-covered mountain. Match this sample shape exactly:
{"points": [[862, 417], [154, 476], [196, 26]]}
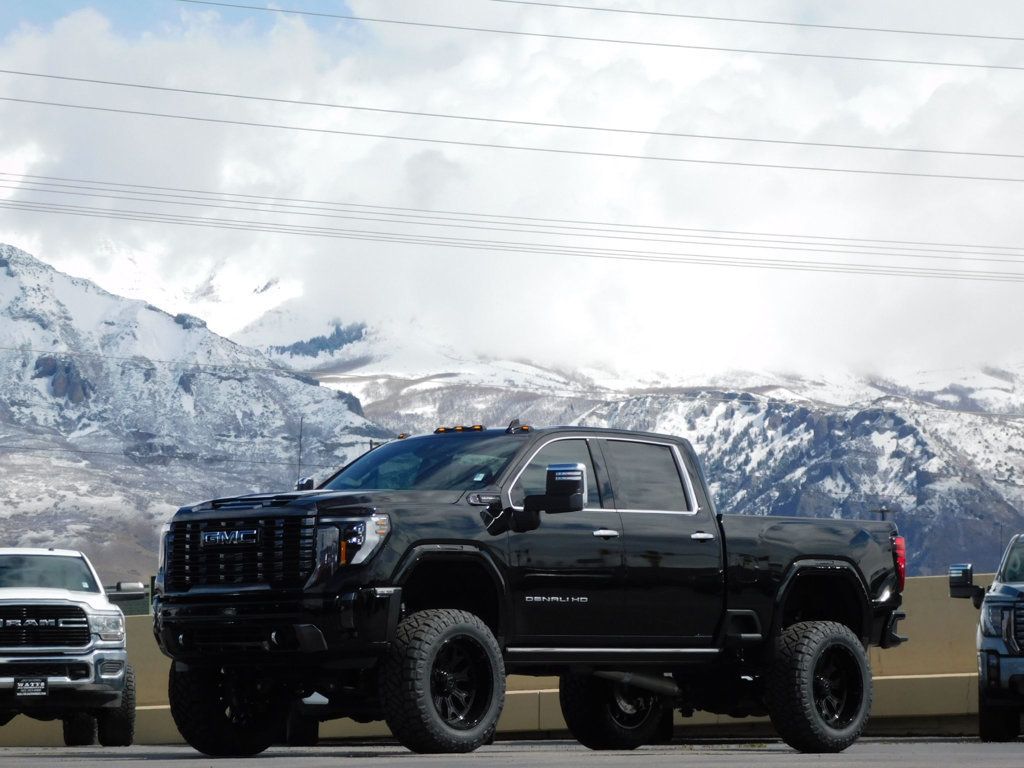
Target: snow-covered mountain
{"points": [[942, 450], [113, 413]]}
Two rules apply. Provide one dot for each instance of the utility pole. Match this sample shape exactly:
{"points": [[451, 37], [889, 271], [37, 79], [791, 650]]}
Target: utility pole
{"points": [[298, 458]]}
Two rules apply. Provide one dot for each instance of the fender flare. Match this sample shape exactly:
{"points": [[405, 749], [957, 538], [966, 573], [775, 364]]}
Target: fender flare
{"points": [[826, 567], [460, 553]]}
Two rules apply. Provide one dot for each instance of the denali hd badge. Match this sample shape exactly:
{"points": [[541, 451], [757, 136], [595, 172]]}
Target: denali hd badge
{"points": [[556, 599], [240, 536]]}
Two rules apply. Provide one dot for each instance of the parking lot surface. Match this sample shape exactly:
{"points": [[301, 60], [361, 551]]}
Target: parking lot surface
{"points": [[905, 753]]}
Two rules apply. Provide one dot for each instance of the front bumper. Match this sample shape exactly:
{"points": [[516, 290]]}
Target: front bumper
{"points": [[73, 681], [357, 625], [1001, 677]]}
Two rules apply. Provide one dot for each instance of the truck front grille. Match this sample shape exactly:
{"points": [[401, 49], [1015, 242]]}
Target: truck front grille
{"points": [[1018, 625], [275, 551], [43, 626], [71, 670]]}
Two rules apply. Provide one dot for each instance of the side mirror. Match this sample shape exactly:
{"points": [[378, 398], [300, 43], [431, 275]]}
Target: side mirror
{"points": [[305, 484], [126, 590], [565, 491], [961, 583]]}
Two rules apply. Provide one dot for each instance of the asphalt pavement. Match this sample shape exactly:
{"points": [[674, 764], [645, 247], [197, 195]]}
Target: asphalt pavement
{"points": [[890, 753]]}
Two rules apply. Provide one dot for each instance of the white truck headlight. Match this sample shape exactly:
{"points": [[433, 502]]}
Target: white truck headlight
{"points": [[109, 626], [994, 619], [343, 541], [161, 558]]}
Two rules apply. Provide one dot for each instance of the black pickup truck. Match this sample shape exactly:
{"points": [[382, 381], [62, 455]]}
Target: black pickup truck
{"points": [[407, 585]]}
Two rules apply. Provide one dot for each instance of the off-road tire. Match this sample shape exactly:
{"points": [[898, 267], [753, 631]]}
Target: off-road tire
{"points": [[117, 726], [997, 723], [201, 713], [79, 729], [301, 731], [410, 691], [794, 694], [597, 720]]}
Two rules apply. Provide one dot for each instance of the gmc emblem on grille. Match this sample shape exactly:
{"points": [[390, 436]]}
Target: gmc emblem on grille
{"points": [[240, 536]]}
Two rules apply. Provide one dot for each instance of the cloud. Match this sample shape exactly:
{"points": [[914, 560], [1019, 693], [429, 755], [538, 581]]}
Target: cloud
{"points": [[551, 308]]}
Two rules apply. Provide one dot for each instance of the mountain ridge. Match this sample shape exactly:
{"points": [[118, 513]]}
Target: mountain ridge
{"points": [[114, 412]]}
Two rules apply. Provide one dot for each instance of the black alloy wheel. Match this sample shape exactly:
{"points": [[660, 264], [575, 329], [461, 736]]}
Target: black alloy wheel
{"points": [[818, 688], [442, 683], [838, 689], [223, 714], [460, 682], [996, 723], [630, 708], [602, 714]]}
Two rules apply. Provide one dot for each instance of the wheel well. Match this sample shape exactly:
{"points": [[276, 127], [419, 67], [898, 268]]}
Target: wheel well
{"points": [[824, 597], [464, 585]]}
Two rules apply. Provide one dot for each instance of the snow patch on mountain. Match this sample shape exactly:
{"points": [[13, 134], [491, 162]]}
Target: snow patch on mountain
{"points": [[113, 412]]}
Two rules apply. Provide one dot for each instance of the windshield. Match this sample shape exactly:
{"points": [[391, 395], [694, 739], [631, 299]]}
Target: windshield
{"points": [[1013, 567], [460, 462], [47, 572]]}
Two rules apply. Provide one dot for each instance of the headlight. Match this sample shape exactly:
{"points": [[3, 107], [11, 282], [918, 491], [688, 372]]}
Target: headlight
{"points": [[348, 541], [161, 557], [109, 626], [995, 620]]}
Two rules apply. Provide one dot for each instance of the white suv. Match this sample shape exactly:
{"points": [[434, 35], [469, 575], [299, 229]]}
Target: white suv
{"points": [[62, 646]]}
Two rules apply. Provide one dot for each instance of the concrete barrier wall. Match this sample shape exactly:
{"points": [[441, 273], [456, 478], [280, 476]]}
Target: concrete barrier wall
{"points": [[925, 686]]}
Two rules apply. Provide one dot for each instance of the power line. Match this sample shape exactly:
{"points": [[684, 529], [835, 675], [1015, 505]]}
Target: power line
{"points": [[658, 257], [862, 242], [779, 245], [772, 22], [798, 246], [517, 147], [612, 254], [617, 41], [507, 121], [464, 221]]}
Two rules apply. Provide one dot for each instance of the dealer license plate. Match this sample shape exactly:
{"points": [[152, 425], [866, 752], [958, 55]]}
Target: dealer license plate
{"points": [[30, 686]]}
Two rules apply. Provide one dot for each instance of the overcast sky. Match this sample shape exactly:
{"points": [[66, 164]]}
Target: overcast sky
{"points": [[551, 308]]}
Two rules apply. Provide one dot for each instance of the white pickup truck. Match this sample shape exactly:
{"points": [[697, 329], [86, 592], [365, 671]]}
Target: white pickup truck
{"points": [[62, 646]]}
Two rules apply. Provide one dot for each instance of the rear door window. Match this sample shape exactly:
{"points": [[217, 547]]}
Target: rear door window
{"points": [[645, 477]]}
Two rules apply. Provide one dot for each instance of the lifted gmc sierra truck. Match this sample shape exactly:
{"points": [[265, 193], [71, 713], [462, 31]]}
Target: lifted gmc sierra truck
{"points": [[1000, 642], [408, 584], [62, 647]]}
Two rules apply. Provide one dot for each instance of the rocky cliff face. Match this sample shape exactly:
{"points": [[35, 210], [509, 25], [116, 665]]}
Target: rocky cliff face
{"points": [[113, 413]]}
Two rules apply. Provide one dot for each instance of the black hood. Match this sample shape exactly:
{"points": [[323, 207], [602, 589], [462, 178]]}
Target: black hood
{"points": [[1014, 591], [306, 502]]}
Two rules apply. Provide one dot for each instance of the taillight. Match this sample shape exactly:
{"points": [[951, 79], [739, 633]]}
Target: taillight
{"points": [[899, 556]]}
